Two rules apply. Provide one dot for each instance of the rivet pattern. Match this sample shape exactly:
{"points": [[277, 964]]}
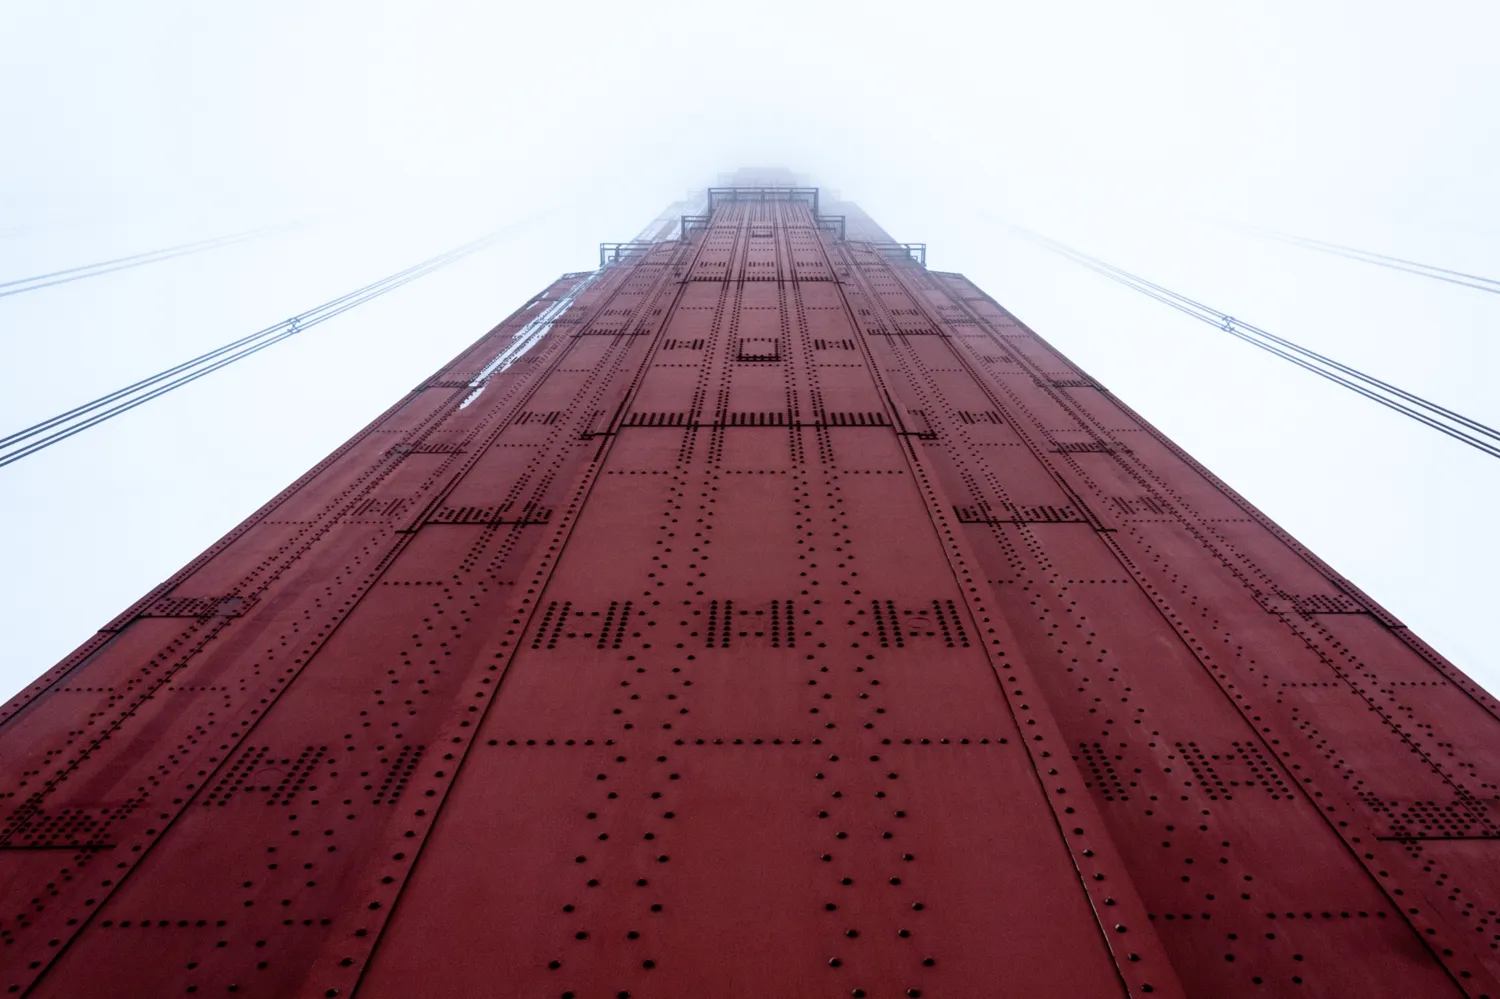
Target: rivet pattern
{"points": [[763, 613]]}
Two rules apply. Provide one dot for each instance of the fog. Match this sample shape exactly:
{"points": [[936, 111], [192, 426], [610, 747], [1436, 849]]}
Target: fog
{"points": [[379, 134]]}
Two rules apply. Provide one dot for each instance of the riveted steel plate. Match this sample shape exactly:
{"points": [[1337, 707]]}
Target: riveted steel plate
{"points": [[785, 619]]}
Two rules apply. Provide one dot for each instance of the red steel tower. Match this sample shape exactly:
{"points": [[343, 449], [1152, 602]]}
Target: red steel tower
{"points": [[760, 614]]}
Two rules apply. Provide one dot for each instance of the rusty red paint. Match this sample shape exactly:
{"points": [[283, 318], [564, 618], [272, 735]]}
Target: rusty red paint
{"points": [[788, 620]]}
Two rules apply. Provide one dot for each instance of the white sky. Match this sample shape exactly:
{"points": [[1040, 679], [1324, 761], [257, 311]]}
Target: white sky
{"points": [[397, 130]]}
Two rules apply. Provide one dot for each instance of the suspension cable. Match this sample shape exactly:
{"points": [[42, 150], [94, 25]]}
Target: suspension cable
{"points": [[1472, 432], [1378, 259], [38, 436], [21, 285]]}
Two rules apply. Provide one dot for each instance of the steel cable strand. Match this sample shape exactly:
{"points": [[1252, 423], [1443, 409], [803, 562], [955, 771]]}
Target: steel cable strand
{"points": [[1250, 334], [1331, 376], [1303, 363], [127, 398], [1368, 393], [1476, 281], [300, 319], [1225, 321], [38, 281], [290, 328], [16, 454], [1229, 323]]}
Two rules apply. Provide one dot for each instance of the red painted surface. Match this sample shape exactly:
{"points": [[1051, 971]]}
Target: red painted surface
{"points": [[789, 620]]}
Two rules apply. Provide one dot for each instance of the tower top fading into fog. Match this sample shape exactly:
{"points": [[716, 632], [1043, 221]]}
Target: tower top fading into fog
{"points": [[760, 614]]}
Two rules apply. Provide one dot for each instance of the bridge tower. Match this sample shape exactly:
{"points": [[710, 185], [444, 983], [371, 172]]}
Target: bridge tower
{"points": [[760, 614]]}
